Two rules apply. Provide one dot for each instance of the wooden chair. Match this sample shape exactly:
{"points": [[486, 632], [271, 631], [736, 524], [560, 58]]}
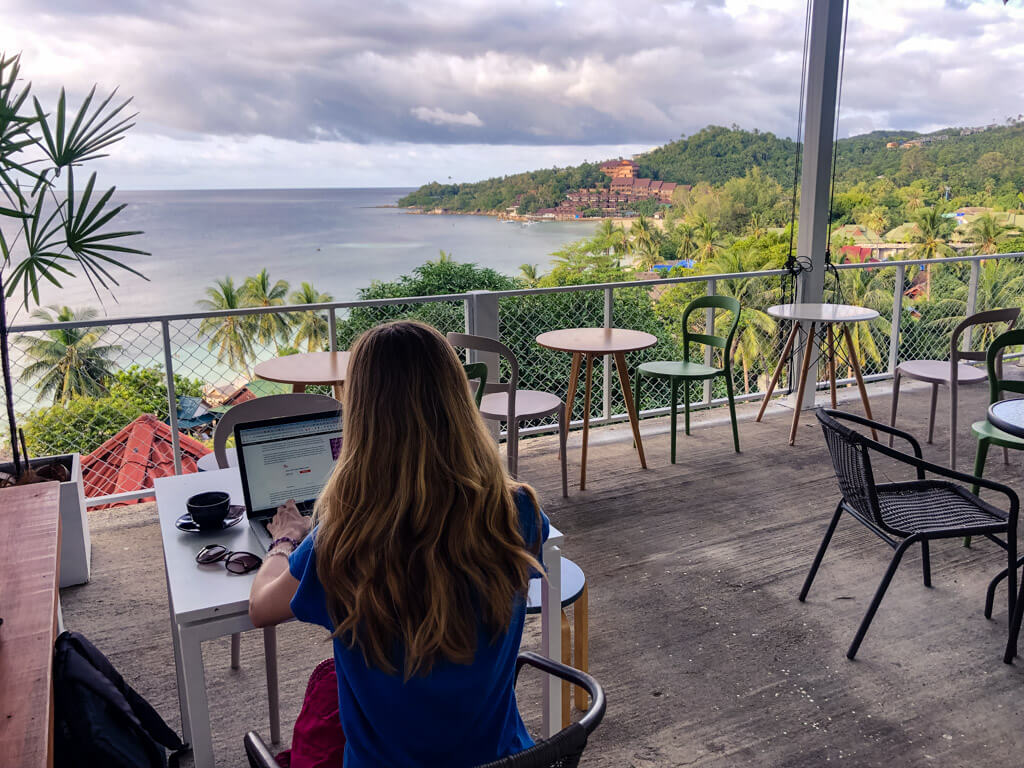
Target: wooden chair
{"points": [[269, 407], [684, 371], [949, 373], [504, 401]]}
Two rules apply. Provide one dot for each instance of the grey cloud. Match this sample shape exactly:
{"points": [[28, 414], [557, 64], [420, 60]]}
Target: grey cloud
{"points": [[535, 72]]}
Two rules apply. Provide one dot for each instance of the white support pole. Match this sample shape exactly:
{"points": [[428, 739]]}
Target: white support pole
{"points": [[967, 344], [606, 382], [709, 327], [172, 398], [824, 47], [897, 318]]}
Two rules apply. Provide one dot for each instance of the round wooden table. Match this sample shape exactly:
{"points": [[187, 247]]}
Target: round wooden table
{"points": [[588, 343], [804, 318], [1008, 415], [302, 370]]}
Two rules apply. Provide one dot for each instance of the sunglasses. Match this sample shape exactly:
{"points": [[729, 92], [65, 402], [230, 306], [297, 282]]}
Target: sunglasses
{"points": [[235, 562]]}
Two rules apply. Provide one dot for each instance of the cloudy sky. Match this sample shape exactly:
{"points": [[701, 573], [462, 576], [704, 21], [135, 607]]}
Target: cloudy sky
{"points": [[299, 93]]}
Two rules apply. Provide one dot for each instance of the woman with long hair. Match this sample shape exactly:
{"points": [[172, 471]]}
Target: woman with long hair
{"points": [[418, 563]]}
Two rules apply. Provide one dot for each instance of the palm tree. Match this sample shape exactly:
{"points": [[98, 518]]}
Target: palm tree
{"points": [[756, 328], [872, 288], [708, 239], [645, 239], [529, 273], [930, 236], [230, 335], [611, 239], [68, 362], [986, 234], [687, 235], [1000, 284], [311, 327], [272, 326]]}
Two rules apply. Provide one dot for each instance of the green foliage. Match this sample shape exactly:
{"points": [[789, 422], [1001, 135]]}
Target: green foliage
{"points": [[81, 425], [145, 389]]}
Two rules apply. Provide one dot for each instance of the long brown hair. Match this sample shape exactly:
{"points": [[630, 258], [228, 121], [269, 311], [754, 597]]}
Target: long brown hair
{"points": [[419, 533]]}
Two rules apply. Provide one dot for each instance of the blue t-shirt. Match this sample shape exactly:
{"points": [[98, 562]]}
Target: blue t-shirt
{"points": [[459, 715]]}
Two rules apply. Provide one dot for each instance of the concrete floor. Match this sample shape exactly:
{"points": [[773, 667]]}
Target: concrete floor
{"points": [[707, 657]]}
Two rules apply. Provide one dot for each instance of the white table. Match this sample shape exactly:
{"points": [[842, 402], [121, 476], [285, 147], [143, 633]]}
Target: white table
{"points": [[827, 315], [207, 603]]}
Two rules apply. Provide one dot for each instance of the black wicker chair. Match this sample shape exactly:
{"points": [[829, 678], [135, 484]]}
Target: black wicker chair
{"points": [[908, 513], [563, 750]]}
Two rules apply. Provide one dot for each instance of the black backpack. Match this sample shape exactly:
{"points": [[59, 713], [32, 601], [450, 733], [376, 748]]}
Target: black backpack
{"points": [[100, 722]]}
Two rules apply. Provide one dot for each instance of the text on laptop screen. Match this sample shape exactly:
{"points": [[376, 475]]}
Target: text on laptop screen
{"points": [[289, 461]]}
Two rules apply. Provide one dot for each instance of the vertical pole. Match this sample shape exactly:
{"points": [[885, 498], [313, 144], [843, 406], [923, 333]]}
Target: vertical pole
{"points": [[606, 382], [967, 343], [709, 327], [824, 47], [897, 318], [332, 328], [172, 398], [482, 320]]}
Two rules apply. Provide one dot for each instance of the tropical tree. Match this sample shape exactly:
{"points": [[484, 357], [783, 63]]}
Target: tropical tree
{"points": [[930, 236], [872, 288], [231, 335], [986, 234], [1000, 284], [258, 291], [68, 362], [708, 239], [312, 328], [529, 273], [687, 236], [48, 228], [612, 239]]}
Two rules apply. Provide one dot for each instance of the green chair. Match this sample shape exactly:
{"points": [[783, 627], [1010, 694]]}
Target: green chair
{"points": [[684, 371], [477, 371], [988, 434]]}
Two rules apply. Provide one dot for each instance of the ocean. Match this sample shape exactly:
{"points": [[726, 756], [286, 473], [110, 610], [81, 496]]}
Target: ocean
{"points": [[338, 239]]}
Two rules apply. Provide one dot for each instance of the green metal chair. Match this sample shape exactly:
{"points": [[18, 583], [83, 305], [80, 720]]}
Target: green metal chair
{"points": [[477, 371], [987, 433], [685, 371]]}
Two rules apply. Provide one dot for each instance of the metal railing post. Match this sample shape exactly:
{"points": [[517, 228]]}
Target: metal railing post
{"points": [[967, 343], [606, 410], [897, 319], [709, 327], [332, 328], [172, 398]]}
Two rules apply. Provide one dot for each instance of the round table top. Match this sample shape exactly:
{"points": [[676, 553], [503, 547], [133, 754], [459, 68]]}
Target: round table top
{"points": [[305, 368], [598, 341], [822, 313], [1008, 415]]}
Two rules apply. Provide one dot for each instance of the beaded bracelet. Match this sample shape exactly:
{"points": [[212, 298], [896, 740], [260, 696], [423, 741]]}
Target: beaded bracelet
{"points": [[281, 539]]}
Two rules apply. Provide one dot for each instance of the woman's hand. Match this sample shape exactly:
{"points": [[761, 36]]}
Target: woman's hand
{"points": [[289, 522]]}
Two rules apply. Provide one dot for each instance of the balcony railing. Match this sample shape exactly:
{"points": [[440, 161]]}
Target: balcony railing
{"points": [[180, 343]]}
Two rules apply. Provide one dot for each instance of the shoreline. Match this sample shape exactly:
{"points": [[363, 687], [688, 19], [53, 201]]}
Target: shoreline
{"points": [[523, 219]]}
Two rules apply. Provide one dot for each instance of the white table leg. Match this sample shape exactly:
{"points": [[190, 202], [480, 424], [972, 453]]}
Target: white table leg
{"points": [[270, 652], [191, 670], [186, 726], [551, 638]]}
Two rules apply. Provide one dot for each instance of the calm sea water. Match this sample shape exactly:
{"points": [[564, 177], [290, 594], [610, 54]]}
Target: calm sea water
{"points": [[339, 239]]}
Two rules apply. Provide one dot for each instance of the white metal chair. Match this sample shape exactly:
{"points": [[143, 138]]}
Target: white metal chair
{"points": [[950, 373], [503, 401], [269, 407]]}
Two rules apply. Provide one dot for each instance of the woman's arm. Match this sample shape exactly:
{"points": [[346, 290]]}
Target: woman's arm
{"points": [[274, 586]]}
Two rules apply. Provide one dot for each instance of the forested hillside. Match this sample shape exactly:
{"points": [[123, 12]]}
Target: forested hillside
{"points": [[985, 168]]}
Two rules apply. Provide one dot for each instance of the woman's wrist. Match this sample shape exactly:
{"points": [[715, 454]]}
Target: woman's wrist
{"points": [[278, 544]]}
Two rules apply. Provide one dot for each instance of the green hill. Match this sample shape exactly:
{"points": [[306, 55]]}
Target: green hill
{"points": [[983, 168]]}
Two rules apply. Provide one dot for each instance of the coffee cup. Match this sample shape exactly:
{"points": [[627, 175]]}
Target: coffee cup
{"points": [[209, 509]]}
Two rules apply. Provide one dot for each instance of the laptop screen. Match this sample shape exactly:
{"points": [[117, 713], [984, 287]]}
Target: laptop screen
{"points": [[287, 458]]}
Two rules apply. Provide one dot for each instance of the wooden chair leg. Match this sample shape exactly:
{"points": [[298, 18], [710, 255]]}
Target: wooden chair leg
{"points": [[832, 363], [855, 364], [808, 351], [580, 648], [566, 639]]}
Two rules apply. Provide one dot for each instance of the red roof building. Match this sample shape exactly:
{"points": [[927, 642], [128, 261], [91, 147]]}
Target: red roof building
{"points": [[133, 458]]}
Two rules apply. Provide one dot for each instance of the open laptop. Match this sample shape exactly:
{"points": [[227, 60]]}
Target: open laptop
{"points": [[285, 458]]}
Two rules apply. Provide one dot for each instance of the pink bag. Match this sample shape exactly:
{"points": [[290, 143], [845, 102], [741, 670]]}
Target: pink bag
{"points": [[317, 741]]}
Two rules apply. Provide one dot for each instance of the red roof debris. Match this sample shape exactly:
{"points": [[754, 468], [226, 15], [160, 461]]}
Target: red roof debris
{"points": [[135, 456]]}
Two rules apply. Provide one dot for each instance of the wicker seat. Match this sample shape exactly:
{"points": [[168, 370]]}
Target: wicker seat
{"points": [[563, 750], [915, 512]]}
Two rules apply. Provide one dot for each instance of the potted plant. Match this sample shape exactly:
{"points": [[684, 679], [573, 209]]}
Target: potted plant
{"points": [[49, 227]]}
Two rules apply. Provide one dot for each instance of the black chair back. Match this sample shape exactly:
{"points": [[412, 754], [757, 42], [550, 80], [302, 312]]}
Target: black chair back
{"points": [[852, 463]]}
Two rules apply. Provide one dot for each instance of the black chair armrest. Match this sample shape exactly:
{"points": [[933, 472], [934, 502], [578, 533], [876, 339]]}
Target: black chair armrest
{"points": [[595, 714], [257, 752], [870, 424]]}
